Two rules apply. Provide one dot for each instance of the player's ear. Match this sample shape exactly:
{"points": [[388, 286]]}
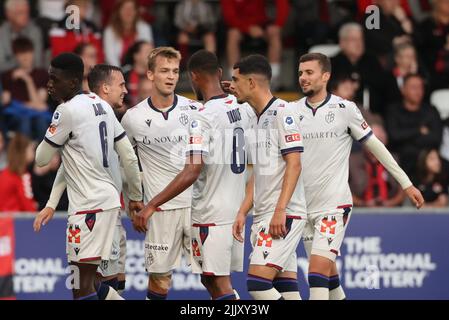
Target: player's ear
{"points": [[220, 73], [150, 75], [105, 88], [326, 76]]}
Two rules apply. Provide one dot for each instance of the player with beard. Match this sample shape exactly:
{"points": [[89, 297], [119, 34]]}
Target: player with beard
{"points": [[328, 125]]}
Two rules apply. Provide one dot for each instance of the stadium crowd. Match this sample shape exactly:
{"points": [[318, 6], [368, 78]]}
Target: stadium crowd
{"points": [[398, 74]]}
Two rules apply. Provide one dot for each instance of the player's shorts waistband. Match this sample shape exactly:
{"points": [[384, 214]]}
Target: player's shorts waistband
{"points": [[94, 211], [204, 225], [89, 211]]}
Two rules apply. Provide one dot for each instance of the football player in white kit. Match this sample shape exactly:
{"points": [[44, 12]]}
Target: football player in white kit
{"points": [[158, 128], [328, 125], [215, 166], [279, 202], [86, 132], [108, 83]]}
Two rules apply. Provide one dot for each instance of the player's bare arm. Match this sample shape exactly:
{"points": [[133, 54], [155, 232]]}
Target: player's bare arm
{"points": [[247, 204], [290, 179], [382, 154], [178, 185]]}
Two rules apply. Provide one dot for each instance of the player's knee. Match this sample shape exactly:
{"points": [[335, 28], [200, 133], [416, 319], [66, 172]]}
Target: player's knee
{"points": [[262, 289], [161, 281]]}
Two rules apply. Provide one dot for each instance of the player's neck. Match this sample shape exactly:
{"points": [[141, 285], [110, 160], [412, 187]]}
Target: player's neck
{"points": [[72, 94], [161, 101], [317, 98], [261, 100], [211, 89]]}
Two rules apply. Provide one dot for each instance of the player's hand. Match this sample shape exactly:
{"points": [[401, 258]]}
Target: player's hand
{"points": [[238, 227], [43, 217], [141, 218], [277, 224], [134, 207], [415, 196]]}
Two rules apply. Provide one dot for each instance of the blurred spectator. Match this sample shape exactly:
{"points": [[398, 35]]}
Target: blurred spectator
{"points": [[431, 181], [371, 184], [444, 149], [247, 20], [413, 125], [3, 158], [25, 93], [65, 37], [195, 21], [16, 193], [136, 69], [433, 40], [395, 28], [312, 23], [361, 66], [42, 183], [53, 10], [144, 90], [18, 24], [88, 54], [145, 10], [124, 29], [417, 9], [405, 63]]}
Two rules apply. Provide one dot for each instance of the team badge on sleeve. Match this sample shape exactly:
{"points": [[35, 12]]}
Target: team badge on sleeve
{"points": [[56, 118], [289, 122]]}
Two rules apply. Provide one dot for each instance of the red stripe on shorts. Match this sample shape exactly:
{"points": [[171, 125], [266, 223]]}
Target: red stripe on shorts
{"points": [[294, 217], [344, 206], [90, 259], [89, 211], [204, 225], [274, 266]]}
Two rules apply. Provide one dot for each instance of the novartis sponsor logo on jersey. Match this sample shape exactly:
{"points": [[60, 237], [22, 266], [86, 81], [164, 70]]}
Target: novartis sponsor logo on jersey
{"points": [[165, 139], [320, 135]]}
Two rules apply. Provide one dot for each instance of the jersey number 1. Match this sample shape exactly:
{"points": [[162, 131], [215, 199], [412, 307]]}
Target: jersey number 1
{"points": [[104, 142], [238, 151]]}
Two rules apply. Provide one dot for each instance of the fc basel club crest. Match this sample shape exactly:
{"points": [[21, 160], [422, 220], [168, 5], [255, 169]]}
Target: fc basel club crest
{"points": [[330, 117], [184, 119]]}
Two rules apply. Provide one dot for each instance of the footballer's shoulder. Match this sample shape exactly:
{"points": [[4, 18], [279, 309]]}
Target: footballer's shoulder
{"points": [[185, 101]]}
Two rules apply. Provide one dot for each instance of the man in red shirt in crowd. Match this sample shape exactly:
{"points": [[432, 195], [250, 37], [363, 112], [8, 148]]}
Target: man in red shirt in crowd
{"points": [[248, 18]]}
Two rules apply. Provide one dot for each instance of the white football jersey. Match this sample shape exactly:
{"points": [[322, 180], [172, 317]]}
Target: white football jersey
{"points": [[85, 128], [161, 139], [276, 134], [327, 133], [218, 133]]}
